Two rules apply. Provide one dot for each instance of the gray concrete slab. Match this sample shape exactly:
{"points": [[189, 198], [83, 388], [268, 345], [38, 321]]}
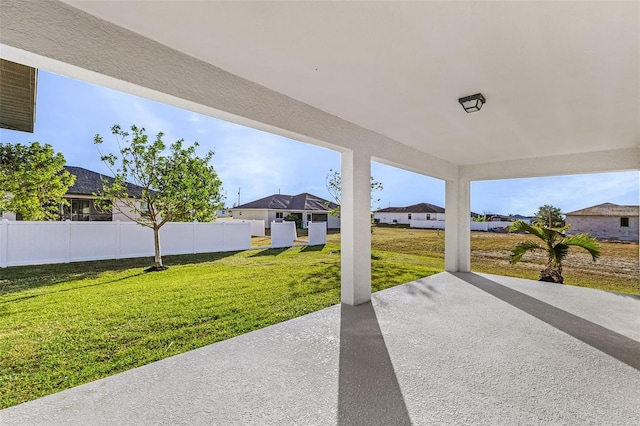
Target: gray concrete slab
{"points": [[447, 349]]}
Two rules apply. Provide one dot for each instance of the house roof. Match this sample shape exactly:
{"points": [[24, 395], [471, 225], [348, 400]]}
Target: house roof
{"points": [[416, 208], [304, 201], [89, 182], [518, 217], [18, 87], [607, 209]]}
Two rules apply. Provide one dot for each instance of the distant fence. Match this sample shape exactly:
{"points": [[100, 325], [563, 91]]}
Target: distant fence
{"points": [[475, 226], [426, 224], [257, 226], [488, 226], [35, 243]]}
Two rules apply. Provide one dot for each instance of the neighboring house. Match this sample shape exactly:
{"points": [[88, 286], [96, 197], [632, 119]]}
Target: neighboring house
{"points": [[509, 218], [81, 199], [223, 213], [404, 215], [274, 208], [526, 219], [605, 221]]}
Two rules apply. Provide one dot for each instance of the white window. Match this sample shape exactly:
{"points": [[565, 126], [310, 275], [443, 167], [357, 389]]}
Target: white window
{"points": [[279, 215]]}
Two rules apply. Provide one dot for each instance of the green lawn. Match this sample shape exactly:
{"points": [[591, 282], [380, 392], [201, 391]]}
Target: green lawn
{"points": [[64, 325]]}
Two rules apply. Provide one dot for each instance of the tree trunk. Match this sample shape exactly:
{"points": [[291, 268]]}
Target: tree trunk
{"points": [[157, 261], [552, 274]]}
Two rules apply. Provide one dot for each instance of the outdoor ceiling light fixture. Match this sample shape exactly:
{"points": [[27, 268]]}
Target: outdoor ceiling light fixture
{"points": [[472, 103]]}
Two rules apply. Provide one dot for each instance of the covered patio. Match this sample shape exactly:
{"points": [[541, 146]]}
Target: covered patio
{"points": [[453, 348], [380, 82]]}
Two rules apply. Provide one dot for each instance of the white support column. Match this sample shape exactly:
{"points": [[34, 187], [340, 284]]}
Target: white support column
{"points": [[457, 244], [355, 224]]}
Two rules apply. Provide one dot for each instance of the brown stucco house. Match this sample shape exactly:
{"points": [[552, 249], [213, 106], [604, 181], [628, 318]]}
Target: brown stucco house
{"points": [[606, 221]]}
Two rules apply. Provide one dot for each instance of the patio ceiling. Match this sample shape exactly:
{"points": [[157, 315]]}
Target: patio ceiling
{"points": [[560, 78]]}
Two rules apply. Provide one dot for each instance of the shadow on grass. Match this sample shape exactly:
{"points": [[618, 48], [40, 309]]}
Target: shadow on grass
{"points": [[385, 275], [20, 278], [312, 248], [48, 293], [270, 252]]}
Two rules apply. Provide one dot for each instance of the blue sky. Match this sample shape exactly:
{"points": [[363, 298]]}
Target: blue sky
{"points": [[70, 112]]}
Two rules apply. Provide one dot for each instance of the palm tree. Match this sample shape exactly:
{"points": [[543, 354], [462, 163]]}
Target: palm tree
{"points": [[556, 244]]}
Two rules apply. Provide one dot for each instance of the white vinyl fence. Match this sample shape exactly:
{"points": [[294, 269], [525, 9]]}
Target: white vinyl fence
{"points": [[257, 226], [283, 234], [475, 226], [488, 226], [317, 233], [35, 243]]}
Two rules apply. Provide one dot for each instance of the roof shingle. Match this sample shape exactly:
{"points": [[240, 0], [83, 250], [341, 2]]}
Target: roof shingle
{"points": [[415, 208], [89, 182], [304, 201], [607, 209]]}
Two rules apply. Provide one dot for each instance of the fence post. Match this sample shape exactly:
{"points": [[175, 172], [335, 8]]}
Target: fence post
{"points": [[4, 243], [118, 239], [195, 226], [67, 254]]}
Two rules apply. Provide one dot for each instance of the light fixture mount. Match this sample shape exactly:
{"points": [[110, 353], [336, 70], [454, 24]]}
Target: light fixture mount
{"points": [[472, 103]]}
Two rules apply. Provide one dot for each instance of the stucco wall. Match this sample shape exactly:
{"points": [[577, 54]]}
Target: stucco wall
{"points": [[253, 214], [604, 227]]}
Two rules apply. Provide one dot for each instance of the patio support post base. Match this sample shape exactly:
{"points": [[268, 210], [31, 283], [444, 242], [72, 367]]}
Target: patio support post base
{"points": [[355, 217], [457, 243]]}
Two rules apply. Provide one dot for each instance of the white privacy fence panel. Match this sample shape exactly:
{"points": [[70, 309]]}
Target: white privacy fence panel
{"points": [[237, 236], [181, 238], [426, 224], [33, 243], [257, 226], [475, 226], [91, 240], [26, 242], [212, 239], [135, 241], [488, 226], [283, 234], [317, 233]]}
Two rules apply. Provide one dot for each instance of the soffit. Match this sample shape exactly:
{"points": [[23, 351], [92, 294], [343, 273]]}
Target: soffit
{"points": [[559, 77]]}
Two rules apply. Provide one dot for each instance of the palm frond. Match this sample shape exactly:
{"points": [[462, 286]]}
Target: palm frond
{"points": [[519, 225], [521, 248], [586, 242], [548, 235], [557, 253]]}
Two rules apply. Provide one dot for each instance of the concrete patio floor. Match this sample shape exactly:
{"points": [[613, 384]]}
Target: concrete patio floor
{"points": [[459, 348]]}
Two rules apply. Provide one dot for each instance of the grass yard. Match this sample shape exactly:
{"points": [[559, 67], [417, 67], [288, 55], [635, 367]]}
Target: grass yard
{"points": [[64, 325], [616, 270]]}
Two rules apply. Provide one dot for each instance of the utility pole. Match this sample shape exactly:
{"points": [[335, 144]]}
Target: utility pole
{"points": [[238, 195]]}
